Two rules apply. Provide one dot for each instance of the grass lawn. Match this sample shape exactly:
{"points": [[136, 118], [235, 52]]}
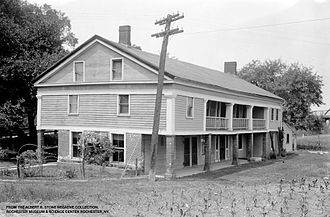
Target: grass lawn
{"points": [[315, 142], [294, 186]]}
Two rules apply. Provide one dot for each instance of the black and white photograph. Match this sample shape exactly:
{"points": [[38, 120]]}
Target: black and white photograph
{"points": [[188, 108]]}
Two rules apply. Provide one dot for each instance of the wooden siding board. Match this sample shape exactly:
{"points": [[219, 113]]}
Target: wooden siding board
{"points": [[97, 67], [183, 123], [101, 111]]}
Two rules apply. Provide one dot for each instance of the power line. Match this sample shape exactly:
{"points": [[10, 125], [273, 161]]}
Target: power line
{"points": [[261, 26]]}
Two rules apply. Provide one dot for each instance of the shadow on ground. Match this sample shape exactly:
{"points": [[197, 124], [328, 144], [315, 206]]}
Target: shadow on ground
{"points": [[216, 174]]}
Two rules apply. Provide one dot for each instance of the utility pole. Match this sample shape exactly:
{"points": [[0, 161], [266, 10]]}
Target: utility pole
{"points": [[165, 34]]}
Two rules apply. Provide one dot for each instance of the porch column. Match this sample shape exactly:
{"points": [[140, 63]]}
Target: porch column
{"points": [[250, 116], [229, 115], [250, 146], [266, 115], [264, 143], [208, 153], [41, 141], [235, 150], [170, 157]]}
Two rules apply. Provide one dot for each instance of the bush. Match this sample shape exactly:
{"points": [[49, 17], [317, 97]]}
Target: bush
{"points": [[3, 153], [28, 160], [71, 173], [272, 155]]}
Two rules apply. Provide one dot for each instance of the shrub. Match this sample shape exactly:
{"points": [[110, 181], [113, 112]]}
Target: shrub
{"points": [[71, 173], [28, 159], [272, 155], [3, 153]]}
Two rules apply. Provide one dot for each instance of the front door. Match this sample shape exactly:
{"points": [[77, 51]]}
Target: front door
{"points": [[186, 152], [222, 147], [190, 152]]}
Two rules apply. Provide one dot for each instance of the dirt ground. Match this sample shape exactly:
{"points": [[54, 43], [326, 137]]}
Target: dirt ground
{"points": [[295, 186]]}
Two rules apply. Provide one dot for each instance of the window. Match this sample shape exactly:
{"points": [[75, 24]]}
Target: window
{"points": [[239, 111], [75, 136], [190, 107], [240, 141], [123, 105], [119, 147], [287, 138], [277, 112], [78, 71], [272, 114], [117, 69], [73, 104]]}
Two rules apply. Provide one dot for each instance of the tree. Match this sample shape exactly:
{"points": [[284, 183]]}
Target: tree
{"points": [[32, 38], [297, 84], [95, 149]]}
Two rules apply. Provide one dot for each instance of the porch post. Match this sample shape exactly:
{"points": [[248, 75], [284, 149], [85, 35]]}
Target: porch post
{"points": [[229, 115], [264, 142], [170, 157], [250, 146], [267, 118], [41, 141], [208, 154], [250, 116], [235, 150]]}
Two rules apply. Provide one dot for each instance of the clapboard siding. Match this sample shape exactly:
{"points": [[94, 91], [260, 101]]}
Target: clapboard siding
{"points": [[183, 123], [97, 67], [101, 111]]}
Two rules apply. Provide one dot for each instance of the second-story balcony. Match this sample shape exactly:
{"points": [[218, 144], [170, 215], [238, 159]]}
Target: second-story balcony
{"points": [[259, 124], [216, 123], [240, 123]]}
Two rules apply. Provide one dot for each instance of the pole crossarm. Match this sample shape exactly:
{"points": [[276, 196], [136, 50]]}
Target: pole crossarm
{"points": [[170, 32]]}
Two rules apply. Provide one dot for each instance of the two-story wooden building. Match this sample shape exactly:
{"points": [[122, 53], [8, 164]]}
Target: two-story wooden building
{"points": [[110, 87]]}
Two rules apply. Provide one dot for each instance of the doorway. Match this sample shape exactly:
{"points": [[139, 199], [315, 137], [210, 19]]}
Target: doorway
{"points": [[190, 151]]}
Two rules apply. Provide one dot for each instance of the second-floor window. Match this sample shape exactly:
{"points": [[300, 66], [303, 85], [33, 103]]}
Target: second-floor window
{"points": [[277, 114], [123, 105], [117, 69], [73, 104], [190, 107], [78, 71], [272, 114]]}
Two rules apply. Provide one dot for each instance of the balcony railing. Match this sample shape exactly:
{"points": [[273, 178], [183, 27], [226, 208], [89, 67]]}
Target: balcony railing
{"points": [[240, 123], [216, 123], [259, 124]]}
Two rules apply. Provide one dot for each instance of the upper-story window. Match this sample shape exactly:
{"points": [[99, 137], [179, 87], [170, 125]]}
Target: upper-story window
{"points": [[190, 107], [277, 114], [272, 114], [123, 105], [78, 71], [239, 111], [73, 104], [117, 69]]}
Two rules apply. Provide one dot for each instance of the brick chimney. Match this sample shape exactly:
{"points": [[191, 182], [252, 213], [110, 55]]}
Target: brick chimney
{"points": [[231, 67], [125, 35]]}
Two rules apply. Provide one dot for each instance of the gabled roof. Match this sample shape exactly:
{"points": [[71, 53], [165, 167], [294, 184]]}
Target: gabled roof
{"points": [[179, 69]]}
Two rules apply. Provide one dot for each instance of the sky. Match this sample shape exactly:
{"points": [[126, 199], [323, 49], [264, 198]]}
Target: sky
{"points": [[215, 31]]}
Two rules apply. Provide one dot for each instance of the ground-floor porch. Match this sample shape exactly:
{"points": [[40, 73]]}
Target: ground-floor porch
{"points": [[177, 155]]}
